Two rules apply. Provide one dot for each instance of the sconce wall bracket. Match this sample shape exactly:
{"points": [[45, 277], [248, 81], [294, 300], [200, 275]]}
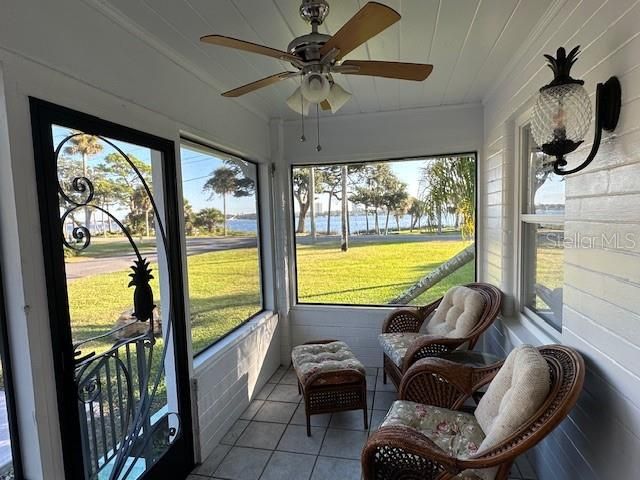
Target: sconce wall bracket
{"points": [[608, 103]]}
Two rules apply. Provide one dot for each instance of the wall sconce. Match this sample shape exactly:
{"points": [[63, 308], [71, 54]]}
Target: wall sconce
{"points": [[562, 114]]}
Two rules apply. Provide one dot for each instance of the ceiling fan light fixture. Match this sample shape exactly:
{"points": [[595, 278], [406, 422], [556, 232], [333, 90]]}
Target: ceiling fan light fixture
{"points": [[298, 103], [315, 87], [338, 97]]}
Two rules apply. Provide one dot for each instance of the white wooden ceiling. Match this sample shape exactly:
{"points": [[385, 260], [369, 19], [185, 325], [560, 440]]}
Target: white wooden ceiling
{"points": [[469, 42]]}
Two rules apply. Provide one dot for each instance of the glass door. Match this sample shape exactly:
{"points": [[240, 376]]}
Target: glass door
{"points": [[110, 232]]}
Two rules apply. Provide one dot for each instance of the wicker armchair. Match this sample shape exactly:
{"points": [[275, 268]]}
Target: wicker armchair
{"points": [[406, 320], [398, 452]]}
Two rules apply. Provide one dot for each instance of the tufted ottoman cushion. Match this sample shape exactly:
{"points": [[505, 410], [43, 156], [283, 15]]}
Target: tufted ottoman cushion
{"points": [[328, 357], [331, 379]]}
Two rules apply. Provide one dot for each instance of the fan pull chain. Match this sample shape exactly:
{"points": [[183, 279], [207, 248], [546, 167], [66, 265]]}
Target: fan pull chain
{"points": [[302, 137], [318, 147]]}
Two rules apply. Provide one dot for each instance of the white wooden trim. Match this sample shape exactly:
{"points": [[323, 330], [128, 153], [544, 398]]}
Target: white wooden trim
{"points": [[518, 218], [545, 219]]}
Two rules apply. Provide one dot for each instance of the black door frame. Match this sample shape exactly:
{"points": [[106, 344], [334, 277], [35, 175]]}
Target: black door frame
{"points": [[179, 462]]}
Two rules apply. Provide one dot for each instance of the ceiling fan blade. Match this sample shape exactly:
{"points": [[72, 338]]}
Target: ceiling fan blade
{"points": [[265, 82], [325, 105], [399, 70], [372, 19], [249, 47]]}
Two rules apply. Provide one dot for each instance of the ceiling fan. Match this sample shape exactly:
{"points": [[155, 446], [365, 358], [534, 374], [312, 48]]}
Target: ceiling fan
{"points": [[316, 57]]}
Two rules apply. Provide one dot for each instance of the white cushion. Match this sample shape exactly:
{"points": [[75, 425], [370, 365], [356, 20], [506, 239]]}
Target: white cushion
{"points": [[513, 396], [458, 312]]}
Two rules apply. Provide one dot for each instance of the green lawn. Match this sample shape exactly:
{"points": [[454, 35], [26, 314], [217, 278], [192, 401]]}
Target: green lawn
{"points": [[374, 272], [224, 290], [224, 286]]}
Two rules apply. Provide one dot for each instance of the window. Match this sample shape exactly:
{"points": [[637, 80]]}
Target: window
{"points": [[222, 230], [542, 233], [371, 231]]}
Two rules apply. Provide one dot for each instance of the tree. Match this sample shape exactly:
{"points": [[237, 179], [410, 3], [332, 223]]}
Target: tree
{"points": [[362, 196], [123, 179], [86, 146], [120, 184], [330, 180], [105, 195], [301, 183], [433, 277], [344, 217], [224, 181], [416, 210], [437, 188], [401, 209], [189, 217], [394, 196], [209, 219]]}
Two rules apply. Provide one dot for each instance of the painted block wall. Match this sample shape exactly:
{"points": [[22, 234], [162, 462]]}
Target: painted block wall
{"points": [[600, 439]]}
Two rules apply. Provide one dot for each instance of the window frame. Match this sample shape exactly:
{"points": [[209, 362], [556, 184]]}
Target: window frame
{"points": [[292, 220], [521, 220], [189, 142]]}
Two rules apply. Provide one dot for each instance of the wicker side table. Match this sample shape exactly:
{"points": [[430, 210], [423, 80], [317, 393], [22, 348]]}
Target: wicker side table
{"points": [[330, 378]]}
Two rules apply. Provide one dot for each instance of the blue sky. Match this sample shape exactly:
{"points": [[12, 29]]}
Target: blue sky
{"points": [[197, 167]]}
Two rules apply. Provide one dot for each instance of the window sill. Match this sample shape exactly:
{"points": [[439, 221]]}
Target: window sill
{"points": [[208, 356], [342, 306], [542, 334]]}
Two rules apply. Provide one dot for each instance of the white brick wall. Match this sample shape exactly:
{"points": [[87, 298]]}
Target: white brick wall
{"points": [[244, 362], [601, 438]]}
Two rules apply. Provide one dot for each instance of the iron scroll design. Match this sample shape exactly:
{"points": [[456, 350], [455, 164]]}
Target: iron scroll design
{"points": [[109, 378]]}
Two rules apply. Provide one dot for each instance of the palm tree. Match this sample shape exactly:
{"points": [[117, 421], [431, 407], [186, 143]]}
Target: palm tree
{"points": [[304, 183], [209, 219], [222, 182], [85, 145]]}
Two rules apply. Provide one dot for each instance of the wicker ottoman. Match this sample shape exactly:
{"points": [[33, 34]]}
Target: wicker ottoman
{"points": [[330, 377]]}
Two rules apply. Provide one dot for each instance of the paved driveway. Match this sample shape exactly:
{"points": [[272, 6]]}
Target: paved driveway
{"points": [[118, 263]]}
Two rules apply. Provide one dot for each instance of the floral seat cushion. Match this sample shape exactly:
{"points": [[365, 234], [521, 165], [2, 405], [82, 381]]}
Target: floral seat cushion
{"points": [[457, 433], [395, 345], [328, 357]]}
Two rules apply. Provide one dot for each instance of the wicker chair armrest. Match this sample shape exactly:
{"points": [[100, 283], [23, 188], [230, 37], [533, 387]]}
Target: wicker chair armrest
{"points": [[402, 320], [429, 346], [408, 319], [438, 382], [342, 377], [405, 441], [427, 310]]}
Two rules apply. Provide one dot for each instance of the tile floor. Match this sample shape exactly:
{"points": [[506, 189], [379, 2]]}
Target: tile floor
{"points": [[269, 441]]}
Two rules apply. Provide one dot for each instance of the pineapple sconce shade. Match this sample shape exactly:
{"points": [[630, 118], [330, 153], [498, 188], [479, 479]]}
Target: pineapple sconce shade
{"points": [[562, 113]]}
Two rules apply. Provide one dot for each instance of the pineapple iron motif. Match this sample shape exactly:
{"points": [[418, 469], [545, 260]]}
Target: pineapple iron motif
{"points": [[143, 294]]}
